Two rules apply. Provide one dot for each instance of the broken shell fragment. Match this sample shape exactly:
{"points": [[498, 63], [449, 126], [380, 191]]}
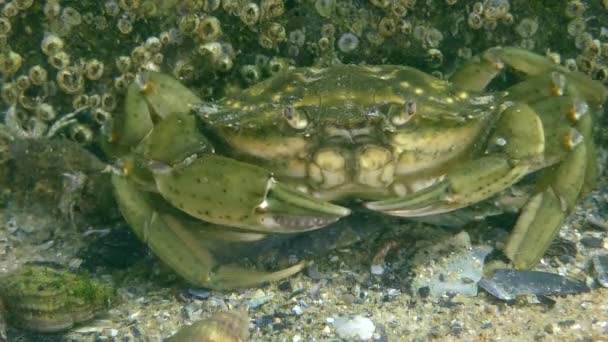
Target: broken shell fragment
{"points": [[507, 284]]}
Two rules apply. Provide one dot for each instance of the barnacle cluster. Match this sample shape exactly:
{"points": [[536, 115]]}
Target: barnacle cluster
{"points": [[63, 57]]}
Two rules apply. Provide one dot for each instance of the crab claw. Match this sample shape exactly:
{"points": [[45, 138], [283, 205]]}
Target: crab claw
{"points": [[224, 191]]}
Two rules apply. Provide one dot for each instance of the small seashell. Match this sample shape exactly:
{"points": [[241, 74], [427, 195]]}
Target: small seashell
{"points": [[227, 326], [45, 299]]}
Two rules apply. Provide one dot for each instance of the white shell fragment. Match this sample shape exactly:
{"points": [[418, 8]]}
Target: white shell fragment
{"points": [[358, 328], [507, 284]]}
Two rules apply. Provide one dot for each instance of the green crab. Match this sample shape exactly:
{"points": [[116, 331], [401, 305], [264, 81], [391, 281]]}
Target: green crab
{"points": [[283, 156]]}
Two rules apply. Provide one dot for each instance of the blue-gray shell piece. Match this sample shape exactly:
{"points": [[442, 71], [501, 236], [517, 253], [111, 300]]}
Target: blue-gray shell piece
{"points": [[507, 284]]}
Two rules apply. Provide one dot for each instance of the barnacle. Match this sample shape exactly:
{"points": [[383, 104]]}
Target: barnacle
{"points": [[46, 112], [387, 27], [81, 133], [124, 25], [71, 16], [348, 42], [153, 44], [250, 14], [38, 75], [51, 9], [574, 9], [208, 29], [23, 82], [10, 10], [60, 60], [10, 62], [251, 73], [272, 8], [325, 8], [475, 21], [94, 69], [527, 27], [23, 5], [187, 24], [5, 26]]}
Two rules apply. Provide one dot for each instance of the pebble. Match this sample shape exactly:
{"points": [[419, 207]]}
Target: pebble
{"points": [[592, 242], [358, 328], [600, 265], [392, 293], [199, 293], [259, 301], [297, 310]]}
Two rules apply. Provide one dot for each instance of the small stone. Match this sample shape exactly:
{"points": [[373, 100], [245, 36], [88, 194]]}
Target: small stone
{"points": [[297, 310], [552, 328], [567, 323], [424, 291], [592, 242], [313, 272], [600, 265], [392, 293], [199, 293], [377, 269], [456, 328], [326, 330], [358, 328]]}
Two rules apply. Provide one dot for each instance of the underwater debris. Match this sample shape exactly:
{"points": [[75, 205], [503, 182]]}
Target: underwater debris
{"points": [[377, 266], [227, 326], [508, 284]]}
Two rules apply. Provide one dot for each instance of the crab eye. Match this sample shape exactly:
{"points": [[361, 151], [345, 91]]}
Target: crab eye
{"points": [[401, 114], [294, 118]]}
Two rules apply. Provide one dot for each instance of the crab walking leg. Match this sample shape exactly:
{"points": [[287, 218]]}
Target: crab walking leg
{"points": [[520, 132], [535, 65], [591, 170], [544, 213], [224, 277], [181, 248], [475, 75], [137, 209]]}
